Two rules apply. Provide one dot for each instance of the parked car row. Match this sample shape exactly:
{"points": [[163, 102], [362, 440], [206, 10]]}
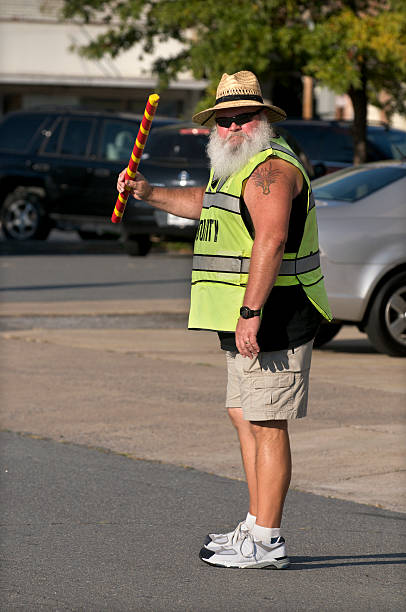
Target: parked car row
{"points": [[58, 169]]}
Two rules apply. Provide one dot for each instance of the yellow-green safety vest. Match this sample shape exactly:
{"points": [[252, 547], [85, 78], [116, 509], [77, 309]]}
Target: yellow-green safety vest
{"points": [[223, 245]]}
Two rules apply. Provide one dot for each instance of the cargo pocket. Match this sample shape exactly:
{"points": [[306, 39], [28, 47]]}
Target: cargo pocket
{"points": [[276, 390]]}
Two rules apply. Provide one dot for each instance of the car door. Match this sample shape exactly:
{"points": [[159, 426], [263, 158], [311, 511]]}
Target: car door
{"points": [[112, 146], [115, 141], [63, 159]]}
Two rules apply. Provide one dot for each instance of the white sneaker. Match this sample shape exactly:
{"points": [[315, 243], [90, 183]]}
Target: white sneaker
{"points": [[215, 541], [248, 553]]}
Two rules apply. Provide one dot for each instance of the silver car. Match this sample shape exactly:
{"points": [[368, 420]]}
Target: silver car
{"points": [[361, 213]]}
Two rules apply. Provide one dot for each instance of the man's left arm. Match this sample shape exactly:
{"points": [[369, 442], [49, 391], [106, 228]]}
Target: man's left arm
{"points": [[268, 195]]}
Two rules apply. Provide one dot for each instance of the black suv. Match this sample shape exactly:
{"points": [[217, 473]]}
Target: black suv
{"points": [[59, 167]]}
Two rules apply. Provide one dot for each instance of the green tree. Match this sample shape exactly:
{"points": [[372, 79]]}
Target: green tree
{"points": [[216, 37], [361, 51], [356, 47]]}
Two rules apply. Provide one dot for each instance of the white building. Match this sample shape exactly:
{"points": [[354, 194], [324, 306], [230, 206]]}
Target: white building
{"points": [[37, 66]]}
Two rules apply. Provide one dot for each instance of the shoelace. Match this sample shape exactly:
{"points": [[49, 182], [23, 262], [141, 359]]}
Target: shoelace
{"points": [[247, 536], [239, 532]]}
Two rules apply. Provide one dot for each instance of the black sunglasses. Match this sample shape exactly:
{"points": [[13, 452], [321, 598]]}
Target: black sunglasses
{"points": [[226, 122]]}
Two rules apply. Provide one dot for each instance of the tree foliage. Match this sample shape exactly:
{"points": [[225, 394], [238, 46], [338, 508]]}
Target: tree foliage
{"points": [[216, 37], [362, 53], [356, 47]]}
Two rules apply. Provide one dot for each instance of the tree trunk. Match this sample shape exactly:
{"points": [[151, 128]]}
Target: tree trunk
{"points": [[359, 102]]}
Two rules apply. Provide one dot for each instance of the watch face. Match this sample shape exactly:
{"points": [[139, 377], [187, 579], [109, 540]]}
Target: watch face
{"points": [[245, 312], [248, 313]]}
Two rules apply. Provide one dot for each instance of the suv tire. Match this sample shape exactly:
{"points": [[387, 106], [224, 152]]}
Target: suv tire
{"points": [[137, 245], [386, 326], [23, 216]]}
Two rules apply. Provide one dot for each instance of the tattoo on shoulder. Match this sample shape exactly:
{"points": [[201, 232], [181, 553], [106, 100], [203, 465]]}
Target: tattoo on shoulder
{"points": [[264, 177]]}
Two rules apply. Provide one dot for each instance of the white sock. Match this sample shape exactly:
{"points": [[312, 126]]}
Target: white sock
{"points": [[250, 520], [264, 534]]}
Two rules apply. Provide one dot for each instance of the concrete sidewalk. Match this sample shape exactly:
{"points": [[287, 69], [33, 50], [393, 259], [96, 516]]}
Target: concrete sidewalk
{"points": [[139, 391]]}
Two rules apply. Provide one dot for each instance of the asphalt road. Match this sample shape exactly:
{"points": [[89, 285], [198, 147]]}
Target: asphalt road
{"points": [[88, 276], [94, 531]]}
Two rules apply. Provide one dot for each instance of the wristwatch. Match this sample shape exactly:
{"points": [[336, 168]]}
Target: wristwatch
{"points": [[248, 313]]}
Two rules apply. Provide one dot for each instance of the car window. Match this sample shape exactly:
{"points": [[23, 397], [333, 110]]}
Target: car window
{"points": [[356, 183], [16, 132], [118, 139], [76, 137], [183, 144], [329, 143], [51, 143], [392, 144]]}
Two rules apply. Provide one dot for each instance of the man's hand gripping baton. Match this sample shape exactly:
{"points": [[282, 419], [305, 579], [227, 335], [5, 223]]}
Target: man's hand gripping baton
{"points": [[136, 155]]}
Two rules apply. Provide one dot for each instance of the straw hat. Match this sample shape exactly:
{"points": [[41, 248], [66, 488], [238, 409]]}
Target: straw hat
{"points": [[239, 89]]}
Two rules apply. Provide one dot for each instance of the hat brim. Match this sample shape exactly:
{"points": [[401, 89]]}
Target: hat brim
{"points": [[207, 117]]}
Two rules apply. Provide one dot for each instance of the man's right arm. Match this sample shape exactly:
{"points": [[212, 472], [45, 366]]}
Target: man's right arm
{"points": [[181, 201]]}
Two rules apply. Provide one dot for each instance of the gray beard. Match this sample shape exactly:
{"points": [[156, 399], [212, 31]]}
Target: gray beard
{"points": [[226, 158]]}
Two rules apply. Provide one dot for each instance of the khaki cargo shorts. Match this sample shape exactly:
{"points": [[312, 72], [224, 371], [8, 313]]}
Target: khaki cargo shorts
{"points": [[271, 386]]}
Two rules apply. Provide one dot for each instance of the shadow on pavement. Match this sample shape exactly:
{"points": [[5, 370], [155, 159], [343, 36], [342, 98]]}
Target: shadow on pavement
{"points": [[307, 563], [382, 515], [361, 346], [62, 247]]}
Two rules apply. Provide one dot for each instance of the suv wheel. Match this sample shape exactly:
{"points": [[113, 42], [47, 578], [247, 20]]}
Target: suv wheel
{"points": [[386, 327], [23, 216], [137, 245]]}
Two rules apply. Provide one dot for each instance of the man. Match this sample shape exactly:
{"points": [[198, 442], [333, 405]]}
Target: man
{"points": [[257, 281]]}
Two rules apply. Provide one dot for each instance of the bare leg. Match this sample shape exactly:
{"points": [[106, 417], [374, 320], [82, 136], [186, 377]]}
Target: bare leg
{"points": [[248, 452], [273, 470]]}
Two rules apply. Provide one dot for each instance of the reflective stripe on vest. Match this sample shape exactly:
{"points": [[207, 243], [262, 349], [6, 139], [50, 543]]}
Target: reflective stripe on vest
{"points": [[224, 201], [219, 263], [241, 265], [231, 203]]}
